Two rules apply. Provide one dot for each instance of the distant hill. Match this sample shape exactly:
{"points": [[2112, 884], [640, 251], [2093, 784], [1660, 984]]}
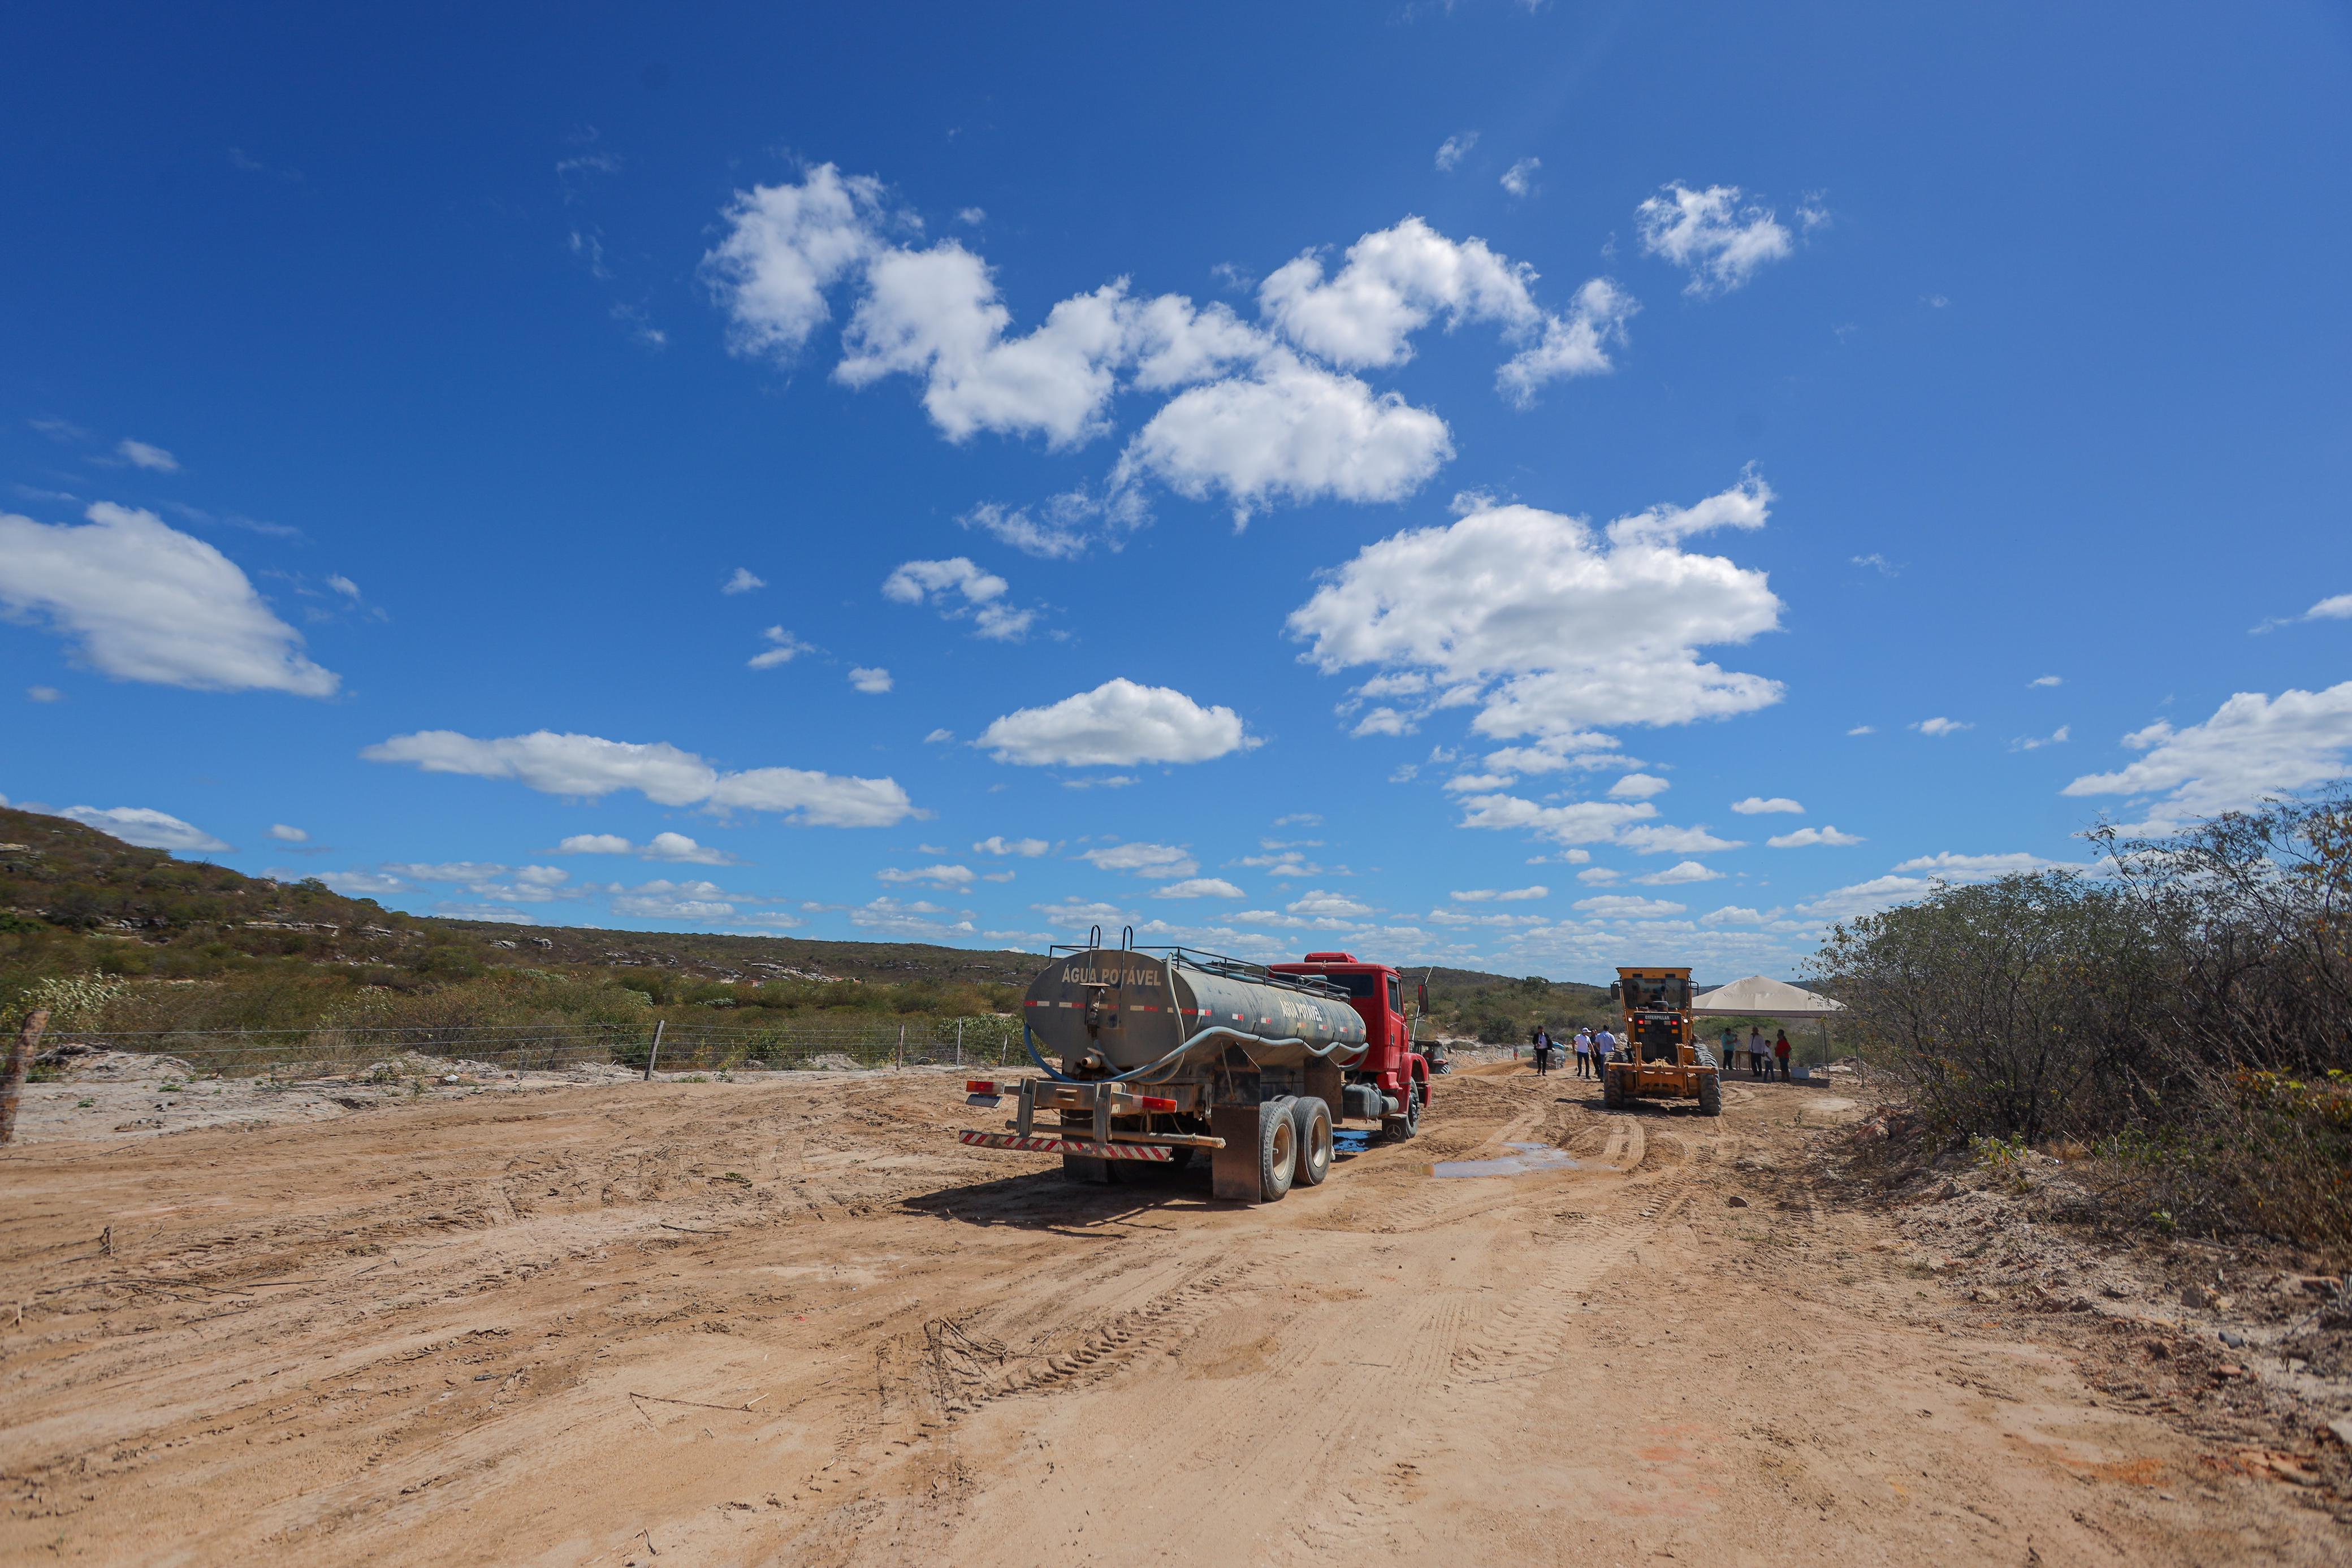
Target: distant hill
{"points": [[264, 954]]}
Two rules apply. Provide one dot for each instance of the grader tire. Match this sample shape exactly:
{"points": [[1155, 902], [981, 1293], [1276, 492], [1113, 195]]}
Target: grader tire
{"points": [[1612, 1092], [1710, 1095]]}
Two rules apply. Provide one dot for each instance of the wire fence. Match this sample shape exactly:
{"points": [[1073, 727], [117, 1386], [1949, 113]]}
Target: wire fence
{"points": [[662, 1045]]}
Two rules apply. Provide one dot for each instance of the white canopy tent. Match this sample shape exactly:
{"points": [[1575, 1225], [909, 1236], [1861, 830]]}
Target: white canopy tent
{"points": [[1757, 996]]}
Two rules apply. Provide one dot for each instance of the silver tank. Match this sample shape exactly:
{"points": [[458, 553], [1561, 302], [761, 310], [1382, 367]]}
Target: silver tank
{"points": [[1136, 1007]]}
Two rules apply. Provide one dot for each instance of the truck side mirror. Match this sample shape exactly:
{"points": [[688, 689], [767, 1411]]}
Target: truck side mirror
{"points": [[1616, 989]]}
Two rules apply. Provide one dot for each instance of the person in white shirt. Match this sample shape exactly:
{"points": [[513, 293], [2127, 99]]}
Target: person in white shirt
{"points": [[1604, 1044], [1584, 1053], [1758, 1057]]}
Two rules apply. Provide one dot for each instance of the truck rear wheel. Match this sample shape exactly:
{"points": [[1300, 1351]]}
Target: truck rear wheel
{"points": [[1612, 1092], [1277, 1150], [1710, 1095], [1312, 1118]]}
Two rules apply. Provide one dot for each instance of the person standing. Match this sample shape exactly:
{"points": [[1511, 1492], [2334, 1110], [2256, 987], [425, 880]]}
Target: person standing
{"points": [[1755, 1060], [1543, 1052], [1781, 1050], [1731, 1056], [1604, 1046]]}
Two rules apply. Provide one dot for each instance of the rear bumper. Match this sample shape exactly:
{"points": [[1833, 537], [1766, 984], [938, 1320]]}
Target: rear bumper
{"points": [[1044, 1145]]}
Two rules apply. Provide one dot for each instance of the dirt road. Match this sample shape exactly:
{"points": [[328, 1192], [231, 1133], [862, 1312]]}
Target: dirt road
{"points": [[797, 1324]]}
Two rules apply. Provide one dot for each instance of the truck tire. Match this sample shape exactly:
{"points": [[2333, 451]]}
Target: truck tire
{"points": [[1398, 1129], [1710, 1095], [1277, 1150], [1313, 1120], [1612, 1093]]}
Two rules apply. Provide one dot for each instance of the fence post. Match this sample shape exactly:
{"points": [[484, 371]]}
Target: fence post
{"points": [[898, 1062], [958, 1043], [655, 1054], [20, 1057]]}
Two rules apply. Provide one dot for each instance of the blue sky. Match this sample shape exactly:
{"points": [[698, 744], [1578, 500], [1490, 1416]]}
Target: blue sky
{"points": [[1537, 488]]}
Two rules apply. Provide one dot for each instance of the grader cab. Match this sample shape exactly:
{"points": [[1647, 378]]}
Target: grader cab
{"points": [[1658, 1055]]}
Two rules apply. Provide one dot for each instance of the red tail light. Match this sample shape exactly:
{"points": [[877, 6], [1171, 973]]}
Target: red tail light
{"points": [[1154, 1102], [979, 1086]]}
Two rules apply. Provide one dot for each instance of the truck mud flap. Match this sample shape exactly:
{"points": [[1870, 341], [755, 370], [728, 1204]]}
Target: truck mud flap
{"points": [[1047, 1145]]}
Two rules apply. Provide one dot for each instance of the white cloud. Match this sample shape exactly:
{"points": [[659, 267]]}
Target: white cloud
{"points": [[1974, 868], [589, 766], [917, 919], [664, 899], [1710, 235], [1638, 787], [680, 850], [1142, 859], [787, 648], [1576, 344], [1291, 431], [786, 245], [594, 844], [1520, 177], [1941, 727], [1454, 149], [2338, 607], [361, 883], [2253, 745], [2060, 680], [1734, 915], [1500, 895], [1666, 840], [1579, 823], [286, 835], [939, 583], [743, 581], [936, 875], [343, 585], [1549, 625], [1680, 874], [998, 845], [1076, 913], [1117, 724], [1316, 904], [147, 828], [873, 680], [935, 314], [1061, 534], [448, 871], [150, 603], [940, 738], [139, 454], [1863, 729], [1113, 781], [2036, 742], [1395, 282], [44, 694], [1201, 887], [1601, 875], [1805, 837], [1626, 906], [1756, 805]]}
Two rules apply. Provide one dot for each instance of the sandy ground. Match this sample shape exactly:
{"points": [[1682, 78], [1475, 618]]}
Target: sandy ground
{"points": [[793, 1321]]}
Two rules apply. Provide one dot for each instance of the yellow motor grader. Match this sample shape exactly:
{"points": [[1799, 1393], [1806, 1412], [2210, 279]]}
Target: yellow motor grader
{"points": [[1658, 1054]]}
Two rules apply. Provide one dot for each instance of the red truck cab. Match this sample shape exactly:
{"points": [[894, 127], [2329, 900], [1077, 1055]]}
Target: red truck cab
{"points": [[1391, 1062]]}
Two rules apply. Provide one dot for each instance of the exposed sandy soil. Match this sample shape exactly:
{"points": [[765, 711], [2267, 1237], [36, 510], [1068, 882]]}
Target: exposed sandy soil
{"points": [[792, 1322]]}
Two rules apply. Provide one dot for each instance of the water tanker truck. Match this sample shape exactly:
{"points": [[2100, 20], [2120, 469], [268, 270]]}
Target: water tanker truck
{"points": [[1156, 1054]]}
